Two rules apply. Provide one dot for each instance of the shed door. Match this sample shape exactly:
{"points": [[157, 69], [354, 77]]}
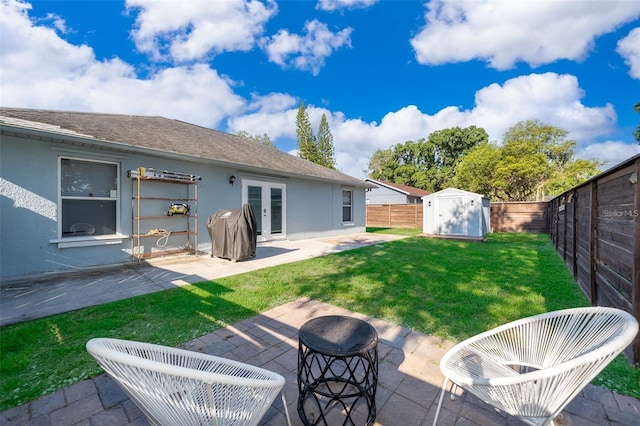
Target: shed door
{"points": [[451, 216]]}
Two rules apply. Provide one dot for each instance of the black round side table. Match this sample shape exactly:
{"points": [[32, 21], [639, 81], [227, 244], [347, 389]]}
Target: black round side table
{"points": [[337, 371]]}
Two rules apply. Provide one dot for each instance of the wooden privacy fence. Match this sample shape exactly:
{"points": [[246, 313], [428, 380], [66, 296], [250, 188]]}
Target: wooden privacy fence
{"points": [[394, 215], [505, 217], [596, 229], [530, 217]]}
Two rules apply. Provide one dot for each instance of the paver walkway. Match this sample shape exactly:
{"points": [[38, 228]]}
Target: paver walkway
{"points": [[408, 388]]}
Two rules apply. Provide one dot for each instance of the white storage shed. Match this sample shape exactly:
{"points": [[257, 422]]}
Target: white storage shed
{"points": [[456, 212]]}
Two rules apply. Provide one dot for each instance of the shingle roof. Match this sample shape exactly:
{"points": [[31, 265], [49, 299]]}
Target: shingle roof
{"points": [[408, 190], [127, 132]]}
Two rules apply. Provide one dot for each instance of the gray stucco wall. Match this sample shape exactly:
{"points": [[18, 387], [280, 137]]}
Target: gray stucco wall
{"points": [[382, 195], [29, 212], [314, 210]]}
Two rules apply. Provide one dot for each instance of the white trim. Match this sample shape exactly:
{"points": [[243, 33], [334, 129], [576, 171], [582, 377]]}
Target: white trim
{"points": [[80, 152], [343, 205], [60, 198], [393, 188], [100, 240], [267, 185]]}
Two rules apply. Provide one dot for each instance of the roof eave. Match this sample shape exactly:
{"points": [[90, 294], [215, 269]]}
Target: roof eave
{"points": [[90, 142]]}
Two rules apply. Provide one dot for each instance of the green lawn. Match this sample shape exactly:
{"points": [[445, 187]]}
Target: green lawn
{"points": [[451, 289]]}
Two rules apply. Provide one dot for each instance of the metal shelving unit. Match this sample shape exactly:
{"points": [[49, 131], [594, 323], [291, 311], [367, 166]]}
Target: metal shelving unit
{"points": [[183, 240]]}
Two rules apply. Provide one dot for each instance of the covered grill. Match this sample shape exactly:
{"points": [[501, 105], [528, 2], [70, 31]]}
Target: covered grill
{"points": [[233, 233]]}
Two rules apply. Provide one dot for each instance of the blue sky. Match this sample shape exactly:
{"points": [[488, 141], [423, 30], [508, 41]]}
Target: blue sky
{"points": [[383, 72]]}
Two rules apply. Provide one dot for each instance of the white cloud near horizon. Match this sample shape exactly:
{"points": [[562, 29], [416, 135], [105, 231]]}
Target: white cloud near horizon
{"points": [[305, 52], [609, 152], [503, 33], [629, 49], [198, 28], [552, 98]]}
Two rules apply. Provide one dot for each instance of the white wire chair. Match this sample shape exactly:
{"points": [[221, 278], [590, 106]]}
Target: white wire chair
{"points": [[533, 367], [178, 387]]}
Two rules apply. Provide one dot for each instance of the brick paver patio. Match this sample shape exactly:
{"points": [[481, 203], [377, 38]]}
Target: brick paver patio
{"points": [[408, 388]]}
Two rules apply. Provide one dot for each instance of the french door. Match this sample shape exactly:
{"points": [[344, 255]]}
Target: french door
{"points": [[268, 202]]}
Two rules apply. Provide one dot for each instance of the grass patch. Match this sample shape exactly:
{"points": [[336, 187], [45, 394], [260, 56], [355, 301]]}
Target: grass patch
{"points": [[409, 232], [452, 289]]}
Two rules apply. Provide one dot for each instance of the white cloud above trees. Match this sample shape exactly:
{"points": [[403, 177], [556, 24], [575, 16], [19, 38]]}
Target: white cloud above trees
{"points": [[503, 33]]}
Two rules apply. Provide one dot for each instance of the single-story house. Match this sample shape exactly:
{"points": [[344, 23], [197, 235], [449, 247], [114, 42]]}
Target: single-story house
{"points": [[458, 213], [72, 196], [392, 193]]}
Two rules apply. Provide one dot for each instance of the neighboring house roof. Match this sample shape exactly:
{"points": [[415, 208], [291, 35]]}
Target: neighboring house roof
{"points": [[404, 189], [164, 136]]}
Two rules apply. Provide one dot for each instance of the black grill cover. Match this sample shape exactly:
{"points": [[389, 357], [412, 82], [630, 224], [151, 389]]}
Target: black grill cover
{"points": [[233, 233]]}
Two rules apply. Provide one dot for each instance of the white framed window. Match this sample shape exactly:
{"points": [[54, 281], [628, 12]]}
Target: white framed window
{"points": [[88, 206], [347, 205]]}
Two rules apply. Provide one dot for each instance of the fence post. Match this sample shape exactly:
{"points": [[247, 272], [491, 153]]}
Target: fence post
{"points": [[575, 234], [593, 242], [635, 277]]}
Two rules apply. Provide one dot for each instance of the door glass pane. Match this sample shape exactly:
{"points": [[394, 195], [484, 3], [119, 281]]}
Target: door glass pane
{"points": [[255, 201], [276, 210]]}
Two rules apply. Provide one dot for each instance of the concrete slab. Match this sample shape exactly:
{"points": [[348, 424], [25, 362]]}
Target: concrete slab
{"points": [[39, 296]]}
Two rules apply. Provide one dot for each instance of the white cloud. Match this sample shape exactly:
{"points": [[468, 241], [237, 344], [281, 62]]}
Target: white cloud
{"points": [[58, 22], [272, 102], [192, 30], [331, 5], [306, 52], [73, 79], [609, 152], [276, 124], [505, 32], [552, 98], [629, 49]]}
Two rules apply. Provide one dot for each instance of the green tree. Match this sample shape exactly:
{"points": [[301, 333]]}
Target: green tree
{"points": [[573, 174], [475, 172], [426, 163], [450, 146], [414, 161], [307, 148], [521, 171], [535, 160], [263, 139], [636, 134], [325, 149], [382, 165]]}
